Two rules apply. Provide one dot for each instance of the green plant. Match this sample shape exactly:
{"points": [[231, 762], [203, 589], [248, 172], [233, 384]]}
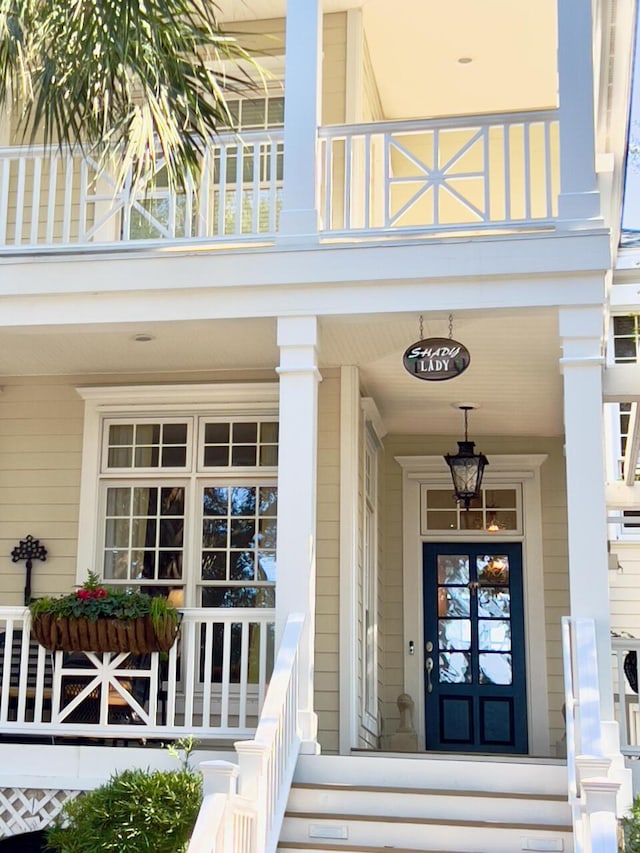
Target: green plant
{"points": [[631, 828], [135, 812], [95, 601]]}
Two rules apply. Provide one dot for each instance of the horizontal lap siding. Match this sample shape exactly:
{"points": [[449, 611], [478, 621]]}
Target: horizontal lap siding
{"points": [[328, 563], [40, 458]]}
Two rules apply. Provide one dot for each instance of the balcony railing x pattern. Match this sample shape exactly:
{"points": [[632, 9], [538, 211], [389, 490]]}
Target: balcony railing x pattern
{"points": [[456, 175], [212, 682]]}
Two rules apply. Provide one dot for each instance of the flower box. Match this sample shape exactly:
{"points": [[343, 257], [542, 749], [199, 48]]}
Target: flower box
{"points": [[98, 619], [138, 636]]}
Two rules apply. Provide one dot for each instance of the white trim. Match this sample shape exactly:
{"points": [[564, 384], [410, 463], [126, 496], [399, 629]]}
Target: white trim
{"points": [[178, 396], [521, 469], [349, 527], [372, 414]]}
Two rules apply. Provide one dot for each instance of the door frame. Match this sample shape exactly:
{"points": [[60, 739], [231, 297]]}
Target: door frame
{"points": [[511, 469]]}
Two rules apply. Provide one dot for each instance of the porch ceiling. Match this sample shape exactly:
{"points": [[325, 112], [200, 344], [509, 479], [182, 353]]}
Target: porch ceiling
{"points": [[415, 48], [513, 376]]}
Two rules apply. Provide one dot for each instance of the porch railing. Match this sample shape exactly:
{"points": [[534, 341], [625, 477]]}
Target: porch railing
{"points": [[244, 806], [52, 198], [626, 652], [441, 175], [592, 792], [213, 682]]}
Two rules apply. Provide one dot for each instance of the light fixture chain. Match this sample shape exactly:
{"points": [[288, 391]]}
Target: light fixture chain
{"points": [[421, 327], [450, 326]]}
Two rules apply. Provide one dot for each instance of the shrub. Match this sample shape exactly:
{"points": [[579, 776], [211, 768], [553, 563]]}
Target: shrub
{"points": [[137, 811], [631, 826]]}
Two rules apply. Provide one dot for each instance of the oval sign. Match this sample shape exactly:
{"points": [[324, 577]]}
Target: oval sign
{"points": [[436, 359]]}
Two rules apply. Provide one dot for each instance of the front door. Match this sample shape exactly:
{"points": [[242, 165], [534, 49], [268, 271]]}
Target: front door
{"points": [[475, 690]]}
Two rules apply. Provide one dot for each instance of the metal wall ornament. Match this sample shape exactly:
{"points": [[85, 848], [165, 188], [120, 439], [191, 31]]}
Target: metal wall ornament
{"points": [[466, 467], [28, 549], [436, 359]]}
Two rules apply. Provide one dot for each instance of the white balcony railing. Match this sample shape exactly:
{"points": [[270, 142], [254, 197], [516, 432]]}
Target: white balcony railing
{"points": [[441, 175], [50, 198], [212, 683]]}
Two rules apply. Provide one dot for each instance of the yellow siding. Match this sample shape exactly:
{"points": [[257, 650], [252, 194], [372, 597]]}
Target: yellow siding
{"points": [[40, 458], [327, 562]]}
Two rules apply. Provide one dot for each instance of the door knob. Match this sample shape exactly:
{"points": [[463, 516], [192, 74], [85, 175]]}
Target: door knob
{"points": [[428, 665]]}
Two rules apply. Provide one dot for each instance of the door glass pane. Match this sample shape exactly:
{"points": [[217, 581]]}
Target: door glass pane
{"points": [[495, 669], [453, 601], [494, 635], [493, 569], [455, 668], [494, 601], [454, 633], [453, 568]]}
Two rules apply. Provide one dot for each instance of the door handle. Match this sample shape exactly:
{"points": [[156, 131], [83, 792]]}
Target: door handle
{"points": [[428, 665]]}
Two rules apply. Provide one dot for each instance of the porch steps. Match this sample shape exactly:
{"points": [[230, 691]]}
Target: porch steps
{"points": [[370, 804]]}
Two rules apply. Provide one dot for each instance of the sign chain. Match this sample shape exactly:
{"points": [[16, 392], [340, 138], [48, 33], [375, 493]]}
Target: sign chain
{"points": [[421, 327], [450, 327]]}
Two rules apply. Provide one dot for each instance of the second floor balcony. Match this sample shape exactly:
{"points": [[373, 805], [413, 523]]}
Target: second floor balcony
{"points": [[461, 175]]}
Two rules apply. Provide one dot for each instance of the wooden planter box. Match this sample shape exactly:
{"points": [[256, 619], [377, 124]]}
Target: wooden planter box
{"points": [[78, 634]]}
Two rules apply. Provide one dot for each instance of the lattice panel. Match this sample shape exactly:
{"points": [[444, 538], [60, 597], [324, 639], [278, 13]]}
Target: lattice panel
{"points": [[30, 809]]}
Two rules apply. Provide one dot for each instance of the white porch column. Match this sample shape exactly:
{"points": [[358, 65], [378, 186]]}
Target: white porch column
{"points": [[297, 467], [299, 215], [579, 197], [581, 331]]}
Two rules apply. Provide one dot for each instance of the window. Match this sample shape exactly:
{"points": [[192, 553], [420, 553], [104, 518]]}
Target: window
{"points": [[370, 585], [496, 510], [625, 339], [185, 503]]}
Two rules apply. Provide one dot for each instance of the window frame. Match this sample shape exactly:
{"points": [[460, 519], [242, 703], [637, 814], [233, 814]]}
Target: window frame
{"points": [[104, 405]]}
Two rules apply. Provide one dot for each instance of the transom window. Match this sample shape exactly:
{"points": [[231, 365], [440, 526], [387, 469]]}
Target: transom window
{"points": [[189, 506], [496, 510]]}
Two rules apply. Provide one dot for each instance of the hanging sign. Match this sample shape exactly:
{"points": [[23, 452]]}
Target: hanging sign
{"points": [[436, 359]]}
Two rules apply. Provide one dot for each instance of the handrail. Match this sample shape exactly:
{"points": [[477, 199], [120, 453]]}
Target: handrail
{"points": [[570, 704], [592, 788], [409, 125], [257, 791]]}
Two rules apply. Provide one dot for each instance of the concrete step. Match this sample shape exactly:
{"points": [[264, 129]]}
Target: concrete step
{"points": [[543, 776], [377, 803], [427, 834], [338, 799]]}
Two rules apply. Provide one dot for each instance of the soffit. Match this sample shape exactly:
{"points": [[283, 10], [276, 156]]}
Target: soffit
{"points": [[513, 376]]}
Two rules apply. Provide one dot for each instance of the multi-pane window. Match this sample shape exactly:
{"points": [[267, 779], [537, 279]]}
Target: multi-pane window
{"points": [[191, 504], [625, 339], [496, 510], [370, 586]]}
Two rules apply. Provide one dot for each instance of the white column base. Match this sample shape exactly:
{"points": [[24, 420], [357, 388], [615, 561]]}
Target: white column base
{"points": [[297, 227], [579, 211]]}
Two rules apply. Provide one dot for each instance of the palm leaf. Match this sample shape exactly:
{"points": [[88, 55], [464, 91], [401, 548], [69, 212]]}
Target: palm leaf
{"points": [[143, 76]]}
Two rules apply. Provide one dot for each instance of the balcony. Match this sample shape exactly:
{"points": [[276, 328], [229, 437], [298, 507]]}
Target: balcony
{"points": [[491, 174], [211, 684]]}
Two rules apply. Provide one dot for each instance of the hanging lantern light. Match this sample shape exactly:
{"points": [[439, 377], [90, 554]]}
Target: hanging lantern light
{"points": [[466, 466]]}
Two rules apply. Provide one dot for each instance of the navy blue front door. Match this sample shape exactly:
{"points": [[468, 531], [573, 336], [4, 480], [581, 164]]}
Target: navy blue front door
{"points": [[475, 684]]}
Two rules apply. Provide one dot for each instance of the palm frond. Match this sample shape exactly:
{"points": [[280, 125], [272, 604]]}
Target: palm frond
{"points": [[148, 76]]}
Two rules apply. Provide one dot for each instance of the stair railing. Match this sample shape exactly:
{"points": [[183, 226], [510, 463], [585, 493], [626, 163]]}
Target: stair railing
{"points": [[244, 805], [592, 791]]}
